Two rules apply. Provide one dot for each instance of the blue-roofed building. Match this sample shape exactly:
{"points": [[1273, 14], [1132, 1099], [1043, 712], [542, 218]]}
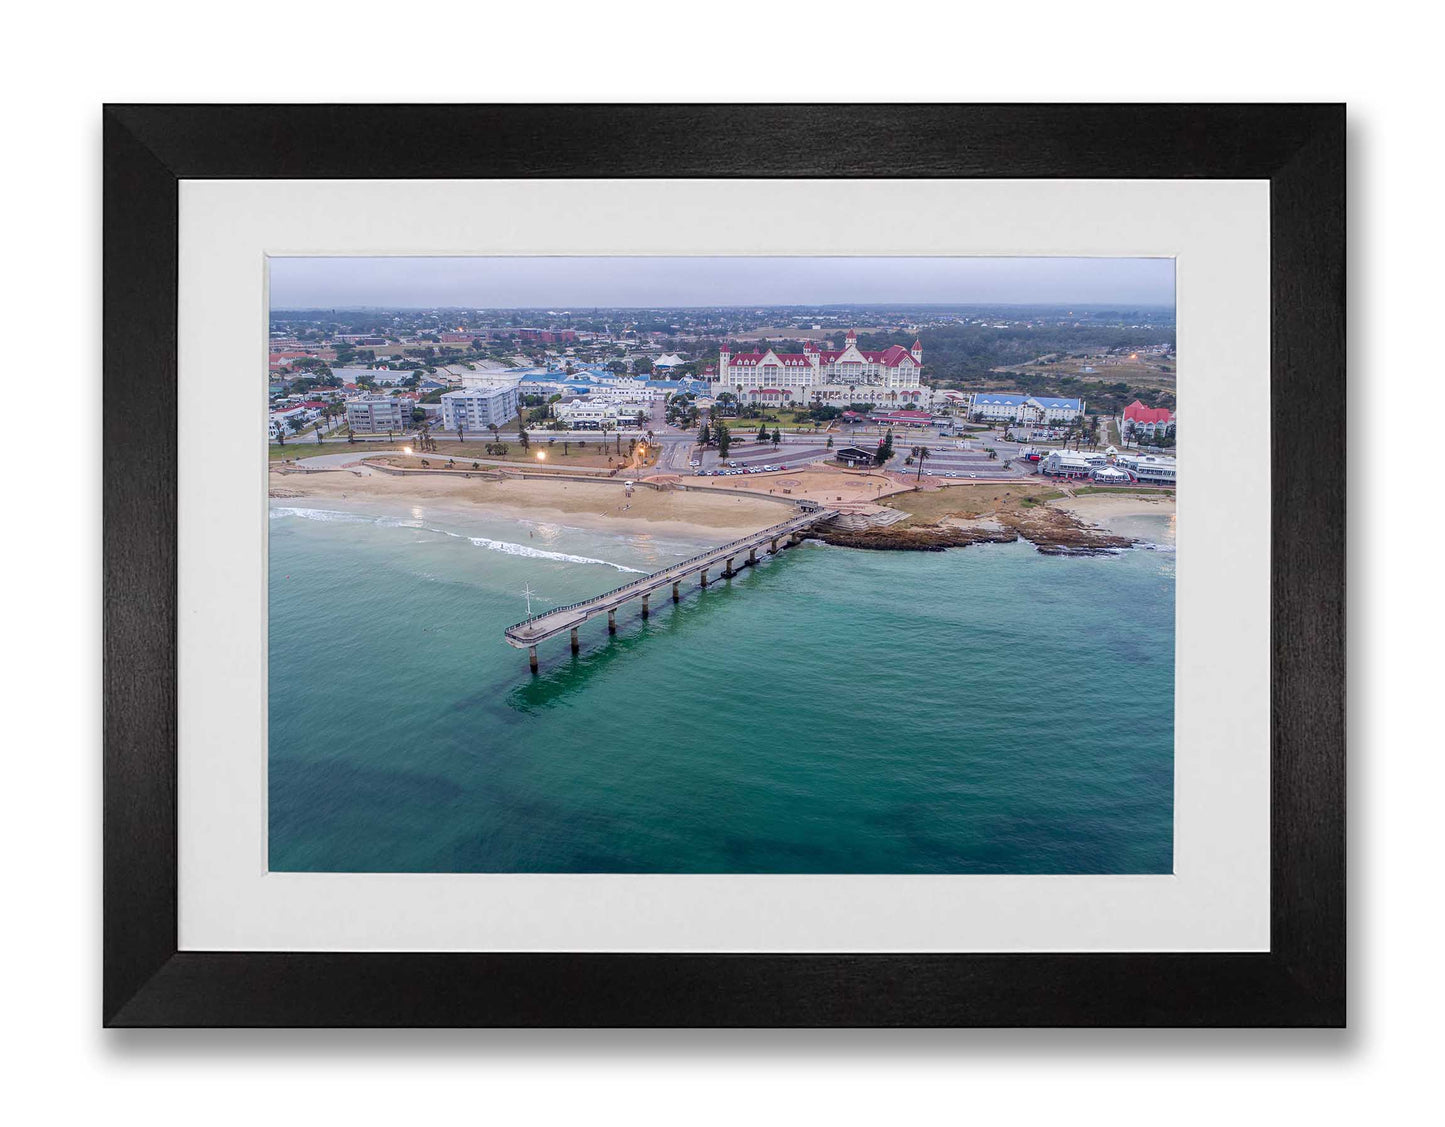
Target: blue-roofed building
{"points": [[1026, 408]]}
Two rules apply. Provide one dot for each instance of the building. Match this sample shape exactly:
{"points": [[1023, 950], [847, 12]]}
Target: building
{"points": [[1112, 475], [855, 456], [480, 407], [1150, 469], [1146, 422], [954, 400], [891, 378], [901, 418], [997, 405], [590, 413], [378, 414], [279, 423], [1072, 463], [669, 360], [384, 377]]}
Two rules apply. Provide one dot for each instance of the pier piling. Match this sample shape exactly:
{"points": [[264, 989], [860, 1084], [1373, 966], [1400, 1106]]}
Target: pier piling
{"points": [[551, 623]]}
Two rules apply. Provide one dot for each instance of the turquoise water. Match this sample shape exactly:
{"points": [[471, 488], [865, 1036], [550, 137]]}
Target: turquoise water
{"points": [[983, 710]]}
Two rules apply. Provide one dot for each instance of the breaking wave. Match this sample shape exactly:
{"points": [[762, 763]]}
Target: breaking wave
{"points": [[319, 514], [506, 547], [511, 549]]}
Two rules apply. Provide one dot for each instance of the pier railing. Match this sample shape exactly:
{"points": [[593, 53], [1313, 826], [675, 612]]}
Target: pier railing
{"points": [[751, 538]]}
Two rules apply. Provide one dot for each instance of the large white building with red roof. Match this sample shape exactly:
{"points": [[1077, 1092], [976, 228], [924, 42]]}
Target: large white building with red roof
{"points": [[1149, 421], [891, 378]]}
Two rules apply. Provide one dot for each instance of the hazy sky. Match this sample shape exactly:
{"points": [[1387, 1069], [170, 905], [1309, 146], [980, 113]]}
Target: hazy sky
{"points": [[580, 283]]}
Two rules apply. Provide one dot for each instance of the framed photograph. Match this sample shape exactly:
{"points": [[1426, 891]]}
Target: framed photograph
{"points": [[724, 565]]}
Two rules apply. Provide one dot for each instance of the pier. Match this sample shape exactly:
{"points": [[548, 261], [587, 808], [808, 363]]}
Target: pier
{"points": [[720, 561]]}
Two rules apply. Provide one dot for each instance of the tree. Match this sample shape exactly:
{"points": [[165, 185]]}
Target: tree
{"points": [[922, 453], [704, 436], [885, 449], [524, 438], [318, 434], [763, 433], [724, 439], [296, 423], [830, 442], [777, 437]]}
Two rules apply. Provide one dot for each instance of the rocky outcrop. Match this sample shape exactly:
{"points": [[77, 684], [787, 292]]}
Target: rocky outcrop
{"points": [[1051, 531]]}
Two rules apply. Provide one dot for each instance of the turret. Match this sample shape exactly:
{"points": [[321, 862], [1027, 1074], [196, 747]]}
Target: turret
{"points": [[722, 363], [917, 352]]}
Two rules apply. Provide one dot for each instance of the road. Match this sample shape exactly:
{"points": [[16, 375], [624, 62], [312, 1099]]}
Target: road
{"points": [[678, 448]]}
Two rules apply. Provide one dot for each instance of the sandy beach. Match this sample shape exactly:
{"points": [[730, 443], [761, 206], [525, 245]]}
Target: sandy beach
{"points": [[1104, 509], [584, 504]]}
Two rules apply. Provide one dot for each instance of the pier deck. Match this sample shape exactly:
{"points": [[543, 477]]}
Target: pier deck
{"points": [[540, 627]]}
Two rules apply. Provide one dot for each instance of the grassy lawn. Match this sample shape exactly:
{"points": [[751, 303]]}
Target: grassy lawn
{"points": [[1122, 489], [781, 419], [297, 448], [969, 500], [580, 456]]}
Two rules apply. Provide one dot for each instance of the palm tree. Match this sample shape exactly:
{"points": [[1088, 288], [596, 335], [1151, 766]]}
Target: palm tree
{"points": [[921, 453]]}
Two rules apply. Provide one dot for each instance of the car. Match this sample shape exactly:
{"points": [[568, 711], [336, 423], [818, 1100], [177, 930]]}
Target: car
{"points": [[700, 473], [694, 463], [973, 475]]}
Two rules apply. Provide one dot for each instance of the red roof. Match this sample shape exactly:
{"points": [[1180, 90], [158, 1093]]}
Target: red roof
{"points": [[890, 358], [1136, 412], [314, 403]]}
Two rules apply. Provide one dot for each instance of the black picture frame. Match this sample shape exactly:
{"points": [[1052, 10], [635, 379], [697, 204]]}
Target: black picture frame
{"points": [[1300, 981]]}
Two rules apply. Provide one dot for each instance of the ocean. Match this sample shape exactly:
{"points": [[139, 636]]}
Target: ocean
{"points": [[980, 710]]}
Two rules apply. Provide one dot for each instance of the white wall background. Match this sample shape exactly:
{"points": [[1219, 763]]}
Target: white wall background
{"points": [[64, 61]]}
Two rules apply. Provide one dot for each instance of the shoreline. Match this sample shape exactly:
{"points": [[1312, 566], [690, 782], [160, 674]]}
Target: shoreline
{"points": [[1092, 524], [1102, 508], [688, 516]]}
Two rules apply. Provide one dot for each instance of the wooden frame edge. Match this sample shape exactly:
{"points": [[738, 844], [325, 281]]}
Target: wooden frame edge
{"points": [[1300, 982]]}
